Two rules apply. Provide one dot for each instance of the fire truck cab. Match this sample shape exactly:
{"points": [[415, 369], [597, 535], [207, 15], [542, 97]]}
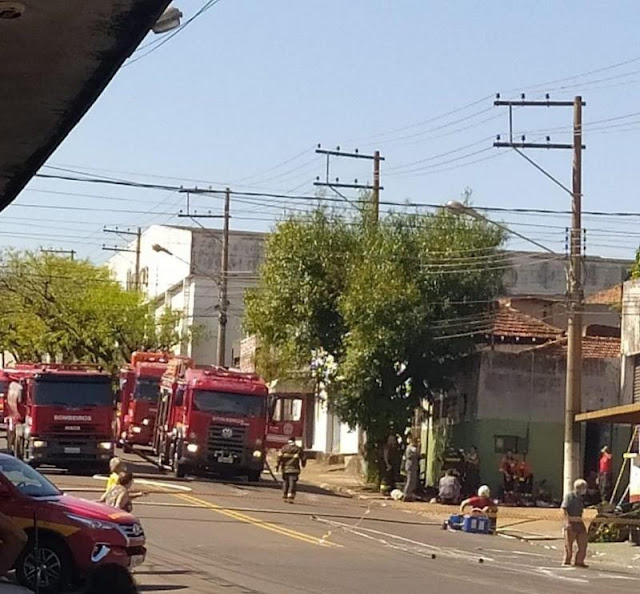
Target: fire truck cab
{"points": [[138, 396], [60, 414], [211, 419]]}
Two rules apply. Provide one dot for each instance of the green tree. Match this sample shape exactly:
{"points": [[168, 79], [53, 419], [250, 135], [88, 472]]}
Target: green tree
{"points": [[635, 269], [74, 311], [396, 304]]}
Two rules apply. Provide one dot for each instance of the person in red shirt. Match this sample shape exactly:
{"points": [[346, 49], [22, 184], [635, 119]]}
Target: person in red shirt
{"points": [[481, 501], [604, 473]]}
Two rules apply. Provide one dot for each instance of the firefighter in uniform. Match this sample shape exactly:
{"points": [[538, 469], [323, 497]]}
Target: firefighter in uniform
{"points": [[290, 460]]}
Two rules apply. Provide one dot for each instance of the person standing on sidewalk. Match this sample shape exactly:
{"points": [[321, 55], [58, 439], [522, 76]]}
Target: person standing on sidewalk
{"points": [[604, 474], [291, 460], [412, 468], [574, 529]]}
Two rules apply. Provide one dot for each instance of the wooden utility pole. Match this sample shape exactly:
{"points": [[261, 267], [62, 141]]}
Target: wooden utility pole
{"points": [[575, 292], [335, 185], [126, 233], [224, 282]]}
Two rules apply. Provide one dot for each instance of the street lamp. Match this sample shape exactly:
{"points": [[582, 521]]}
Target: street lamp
{"points": [[168, 20], [458, 208], [156, 247], [572, 400]]}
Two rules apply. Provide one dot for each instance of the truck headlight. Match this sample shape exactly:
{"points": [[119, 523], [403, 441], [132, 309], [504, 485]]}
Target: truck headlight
{"points": [[39, 443], [257, 454], [192, 448], [145, 422], [105, 445], [136, 429]]}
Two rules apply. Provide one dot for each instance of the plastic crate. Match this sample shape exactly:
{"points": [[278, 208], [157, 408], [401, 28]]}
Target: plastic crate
{"points": [[476, 524]]}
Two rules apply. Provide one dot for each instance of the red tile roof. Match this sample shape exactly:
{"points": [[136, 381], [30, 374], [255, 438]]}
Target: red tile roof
{"points": [[593, 347], [610, 296], [509, 322]]}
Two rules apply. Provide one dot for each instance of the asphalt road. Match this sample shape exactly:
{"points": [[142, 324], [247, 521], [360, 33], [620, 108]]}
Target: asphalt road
{"points": [[209, 536]]}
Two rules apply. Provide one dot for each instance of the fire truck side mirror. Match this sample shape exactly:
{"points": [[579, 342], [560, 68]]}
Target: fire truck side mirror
{"points": [[179, 401]]}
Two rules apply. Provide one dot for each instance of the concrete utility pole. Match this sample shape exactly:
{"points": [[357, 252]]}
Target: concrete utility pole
{"points": [[126, 233], [224, 282], [376, 185], [573, 401], [575, 292], [335, 185]]}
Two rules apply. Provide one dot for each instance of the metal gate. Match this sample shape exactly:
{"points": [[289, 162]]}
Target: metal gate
{"points": [[636, 378]]}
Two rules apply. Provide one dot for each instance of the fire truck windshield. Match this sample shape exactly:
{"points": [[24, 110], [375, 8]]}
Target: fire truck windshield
{"points": [[26, 479], [225, 403], [147, 390], [73, 393]]}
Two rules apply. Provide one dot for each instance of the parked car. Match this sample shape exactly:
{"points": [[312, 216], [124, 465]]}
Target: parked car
{"points": [[73, 536]]}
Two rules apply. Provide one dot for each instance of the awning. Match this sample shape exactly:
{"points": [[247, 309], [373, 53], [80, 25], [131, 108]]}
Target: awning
{"points": [[625, 414]]}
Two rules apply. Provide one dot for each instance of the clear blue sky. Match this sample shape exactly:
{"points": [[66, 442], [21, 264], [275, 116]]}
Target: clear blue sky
{"points": [[253, 84]]}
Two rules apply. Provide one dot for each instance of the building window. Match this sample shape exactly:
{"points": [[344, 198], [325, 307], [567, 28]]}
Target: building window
{"points": [[513, 443]]}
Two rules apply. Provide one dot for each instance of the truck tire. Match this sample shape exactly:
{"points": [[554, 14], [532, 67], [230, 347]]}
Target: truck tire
{"points": [[56, 564], [254, 476], [127, 448]]}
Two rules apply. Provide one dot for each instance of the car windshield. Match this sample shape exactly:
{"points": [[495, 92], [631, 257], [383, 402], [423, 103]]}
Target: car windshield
{"points": [[147, 390], [27, 480], [225, 403], [73, 393]]}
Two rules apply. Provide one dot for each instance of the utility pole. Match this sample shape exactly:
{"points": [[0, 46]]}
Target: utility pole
{"points": [[224, 280], [575, 291], [126, 233], [376, 185], [70, 253], [374, 188]]}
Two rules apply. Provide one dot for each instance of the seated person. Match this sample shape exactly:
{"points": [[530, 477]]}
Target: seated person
{"points": [[481, 501], [449, 488], [508, 469], [524, 476]]}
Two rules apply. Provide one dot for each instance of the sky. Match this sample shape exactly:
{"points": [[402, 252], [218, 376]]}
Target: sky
{"points": [[242, 95]]}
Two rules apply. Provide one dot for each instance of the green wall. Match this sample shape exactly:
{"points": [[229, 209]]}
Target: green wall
{"points": [[545, 448]]}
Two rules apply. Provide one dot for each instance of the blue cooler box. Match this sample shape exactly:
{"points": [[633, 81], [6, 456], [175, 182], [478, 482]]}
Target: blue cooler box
{"points": [[476, 524]]}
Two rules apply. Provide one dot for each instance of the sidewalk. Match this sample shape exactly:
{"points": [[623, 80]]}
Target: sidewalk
{"points": [[527, 523]]}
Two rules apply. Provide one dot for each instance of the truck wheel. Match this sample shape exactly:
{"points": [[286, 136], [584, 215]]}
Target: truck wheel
{"points": [[54, 566], [127, 448], [254, 476]]}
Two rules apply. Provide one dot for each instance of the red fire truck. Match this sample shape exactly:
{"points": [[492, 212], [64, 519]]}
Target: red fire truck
{"points": [[61, 414], [211, 419], [139, 391]]}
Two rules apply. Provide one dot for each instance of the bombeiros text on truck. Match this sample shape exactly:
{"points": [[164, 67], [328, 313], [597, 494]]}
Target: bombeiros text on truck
{"points": [[138, 398], [60, 414]]}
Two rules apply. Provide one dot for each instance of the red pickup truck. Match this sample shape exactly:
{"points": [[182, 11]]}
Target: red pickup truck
{"points": [[73, 536]]}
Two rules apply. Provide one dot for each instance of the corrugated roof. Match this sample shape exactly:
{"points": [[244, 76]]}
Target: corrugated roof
{"points": [[593, 347], [610, 296], [510, 322]]}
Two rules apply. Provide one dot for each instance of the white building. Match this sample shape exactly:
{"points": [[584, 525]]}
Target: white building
{"points": [[183, 272]]}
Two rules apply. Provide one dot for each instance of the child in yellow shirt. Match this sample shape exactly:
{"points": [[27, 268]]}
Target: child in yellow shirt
{"points": [[116, 466]]}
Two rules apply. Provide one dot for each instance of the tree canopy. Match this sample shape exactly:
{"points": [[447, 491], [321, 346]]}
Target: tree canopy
{"points": [[635, 269], [394, 304], [74, 311]]}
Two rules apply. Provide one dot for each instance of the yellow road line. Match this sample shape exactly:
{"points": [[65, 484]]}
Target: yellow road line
{"points": [[256, 522]]}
